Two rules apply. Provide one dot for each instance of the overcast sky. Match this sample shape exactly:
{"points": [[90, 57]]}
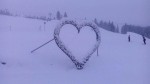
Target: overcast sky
{"points": [[120, 11]]}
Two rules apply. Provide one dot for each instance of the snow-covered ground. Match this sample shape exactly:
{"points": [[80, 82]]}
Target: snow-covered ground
{"points": [[119, 62]]}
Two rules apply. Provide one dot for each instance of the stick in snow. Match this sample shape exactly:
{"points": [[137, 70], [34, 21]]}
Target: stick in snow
{"points": [[42, 45], [97, 51]]}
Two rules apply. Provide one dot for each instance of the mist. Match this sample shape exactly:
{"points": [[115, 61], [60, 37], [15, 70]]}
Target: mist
{"points": [[120, 11]]}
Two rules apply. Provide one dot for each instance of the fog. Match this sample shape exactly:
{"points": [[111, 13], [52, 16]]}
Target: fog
{"points": [[120, 11]]}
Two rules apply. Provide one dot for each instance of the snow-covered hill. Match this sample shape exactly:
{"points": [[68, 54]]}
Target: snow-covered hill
{"points": [[119, 62]]}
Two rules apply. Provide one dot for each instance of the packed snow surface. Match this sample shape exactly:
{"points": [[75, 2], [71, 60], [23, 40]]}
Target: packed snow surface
{"points": [[119, 62]]}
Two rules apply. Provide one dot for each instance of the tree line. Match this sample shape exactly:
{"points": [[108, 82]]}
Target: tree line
{"points": [[57, 16], [7, 12], [107, 25], [144, 31]]}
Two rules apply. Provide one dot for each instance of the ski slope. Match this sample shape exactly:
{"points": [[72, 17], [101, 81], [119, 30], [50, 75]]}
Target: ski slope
{"points": [[119, 62]]}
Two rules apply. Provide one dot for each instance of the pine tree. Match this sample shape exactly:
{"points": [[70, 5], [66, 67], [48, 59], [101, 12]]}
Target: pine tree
{"points": [[95, 21], [65, 15], [112, 27], [117, 29], [58, 15], [124, 29], [50, 16]]}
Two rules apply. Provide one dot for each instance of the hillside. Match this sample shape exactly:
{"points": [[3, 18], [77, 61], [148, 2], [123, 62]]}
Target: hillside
{"points": [[119, 62]]}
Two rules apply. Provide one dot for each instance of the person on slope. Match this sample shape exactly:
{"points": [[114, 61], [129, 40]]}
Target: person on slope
{"points": [[129, 38], [144, 39]]}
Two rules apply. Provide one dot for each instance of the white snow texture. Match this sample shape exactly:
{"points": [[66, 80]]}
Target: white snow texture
{"points": [[119, 61], [78, 26]]}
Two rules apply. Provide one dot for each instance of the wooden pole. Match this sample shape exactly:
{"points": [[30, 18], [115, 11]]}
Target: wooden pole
{"points": [[97, 52], [42, 45]]}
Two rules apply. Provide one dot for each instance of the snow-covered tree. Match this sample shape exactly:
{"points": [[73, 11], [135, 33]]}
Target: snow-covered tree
{"points": [[65, 15], [5, 12], [58, 15], [96, 22], [50, 16], [145, 31], [106, 25], [117, 29]]}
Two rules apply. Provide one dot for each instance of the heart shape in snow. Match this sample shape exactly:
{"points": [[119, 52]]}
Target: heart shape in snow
{"points": [[61, 45]]}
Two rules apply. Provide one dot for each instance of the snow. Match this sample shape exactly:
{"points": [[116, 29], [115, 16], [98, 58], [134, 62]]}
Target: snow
{"points": [[78, 39], [119, 62], [79, 61]]}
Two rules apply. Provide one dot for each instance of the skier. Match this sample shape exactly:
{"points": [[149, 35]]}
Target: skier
{"points": [[129, 38], [144, 39]]}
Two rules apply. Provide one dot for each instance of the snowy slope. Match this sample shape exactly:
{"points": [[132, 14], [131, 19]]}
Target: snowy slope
{"points": [[119, 62]]}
